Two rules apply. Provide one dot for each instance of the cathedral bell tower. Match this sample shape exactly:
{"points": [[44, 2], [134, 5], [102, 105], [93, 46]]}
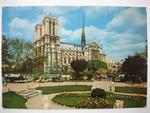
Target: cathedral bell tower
{"points": [[47, 44], [83, 40]]}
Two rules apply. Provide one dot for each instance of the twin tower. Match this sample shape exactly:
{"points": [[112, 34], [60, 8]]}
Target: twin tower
{"points": [[47, 44]]}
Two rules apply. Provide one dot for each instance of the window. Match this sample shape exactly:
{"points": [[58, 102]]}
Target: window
{"points": [[53, 28], [65, 60], [69, 60], [49, 27]]}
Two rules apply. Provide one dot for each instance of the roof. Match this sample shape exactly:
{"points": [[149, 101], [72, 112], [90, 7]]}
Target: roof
{"points": [[70, 46]]}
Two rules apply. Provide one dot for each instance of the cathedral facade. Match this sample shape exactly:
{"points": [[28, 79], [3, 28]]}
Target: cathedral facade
{"points": [[59, 55]]}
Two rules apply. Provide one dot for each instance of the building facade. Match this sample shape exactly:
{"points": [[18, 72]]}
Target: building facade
{"points": [[59, 55]]}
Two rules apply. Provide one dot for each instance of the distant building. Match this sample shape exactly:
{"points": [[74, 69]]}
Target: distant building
{"points": [[59, 55]]}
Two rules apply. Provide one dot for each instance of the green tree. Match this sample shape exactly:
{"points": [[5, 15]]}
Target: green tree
{"points": [[6, 56], [27, 66], [21, 50], [15, 52], [95, 64], [135, 67], [96, 67], [38, 64], [79, 66]]}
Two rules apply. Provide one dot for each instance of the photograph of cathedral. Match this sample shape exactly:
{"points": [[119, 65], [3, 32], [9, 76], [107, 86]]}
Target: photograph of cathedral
{"points": [[74, 57]]}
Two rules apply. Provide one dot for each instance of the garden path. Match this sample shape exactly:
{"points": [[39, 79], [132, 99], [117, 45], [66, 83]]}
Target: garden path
{"points": [[130, 94], [45, 101]]}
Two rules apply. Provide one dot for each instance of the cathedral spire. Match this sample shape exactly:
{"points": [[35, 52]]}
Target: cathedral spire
{"points": [[83, 41]]}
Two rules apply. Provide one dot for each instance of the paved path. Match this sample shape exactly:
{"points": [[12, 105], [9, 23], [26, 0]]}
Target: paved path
{"points": [[130, 94], [53, 105], [35, 102], [45, 101], [101, 84]]}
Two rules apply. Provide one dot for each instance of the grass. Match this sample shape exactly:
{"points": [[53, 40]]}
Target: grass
{"points": [[75, 99], [12, 100], [66, 88], [70, 100], [135, 90], [129, 101]]}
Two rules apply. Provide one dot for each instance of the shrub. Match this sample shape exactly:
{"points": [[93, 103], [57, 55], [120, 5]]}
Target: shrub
{"points": [[95, 103], [99, 93]]}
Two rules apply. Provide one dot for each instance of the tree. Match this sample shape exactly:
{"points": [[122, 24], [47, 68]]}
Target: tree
{"points": [[101, 70], [135, 67], [27, 66], [95, 64], [20, 50], [97, 67], [38, 64], [6, 56], [79, 66], [15, 52]]}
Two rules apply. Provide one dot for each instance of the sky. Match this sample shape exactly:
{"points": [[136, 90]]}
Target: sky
{"points": [[122, 31]]}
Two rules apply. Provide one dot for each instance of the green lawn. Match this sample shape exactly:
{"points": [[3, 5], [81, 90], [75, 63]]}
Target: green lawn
{"points": [[66, 88], [136, 90], [74, 100], [71, 100], [129, 101], [12, 100]]}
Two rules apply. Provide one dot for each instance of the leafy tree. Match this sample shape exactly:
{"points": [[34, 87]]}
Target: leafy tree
{"points": [[15, 52], [28, 66], [79, 66], [135, 67], [101, 70], [95, 64], [38, 64], [21, 50], [6, 56], [88, 74], [97, 67], [5, 44]]}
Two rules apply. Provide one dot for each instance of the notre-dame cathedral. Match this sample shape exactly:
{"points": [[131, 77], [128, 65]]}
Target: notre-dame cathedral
{"points": [[59, 55]]}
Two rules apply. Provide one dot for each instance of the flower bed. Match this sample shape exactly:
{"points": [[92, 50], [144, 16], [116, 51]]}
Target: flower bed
{"points": [[95, 103], [84, 100]]}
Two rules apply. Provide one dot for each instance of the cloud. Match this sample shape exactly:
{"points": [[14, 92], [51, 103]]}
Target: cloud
{"points": [[24, 28], [70, 35], [63, 21], [91, 32], [59, 10], [21, 28], [101, 11], [116, 45], [18, 23], [127, 19]]}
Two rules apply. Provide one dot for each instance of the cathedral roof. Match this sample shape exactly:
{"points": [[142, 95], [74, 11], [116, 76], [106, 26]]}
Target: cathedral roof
{"points": [[70, 46]]}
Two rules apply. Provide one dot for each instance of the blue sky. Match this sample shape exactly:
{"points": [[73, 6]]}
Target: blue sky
{"points": [[121, 30]]}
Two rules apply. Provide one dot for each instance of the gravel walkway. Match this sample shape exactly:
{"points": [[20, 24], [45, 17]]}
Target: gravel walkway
{"points": [[45, 101], [130, 94]]}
